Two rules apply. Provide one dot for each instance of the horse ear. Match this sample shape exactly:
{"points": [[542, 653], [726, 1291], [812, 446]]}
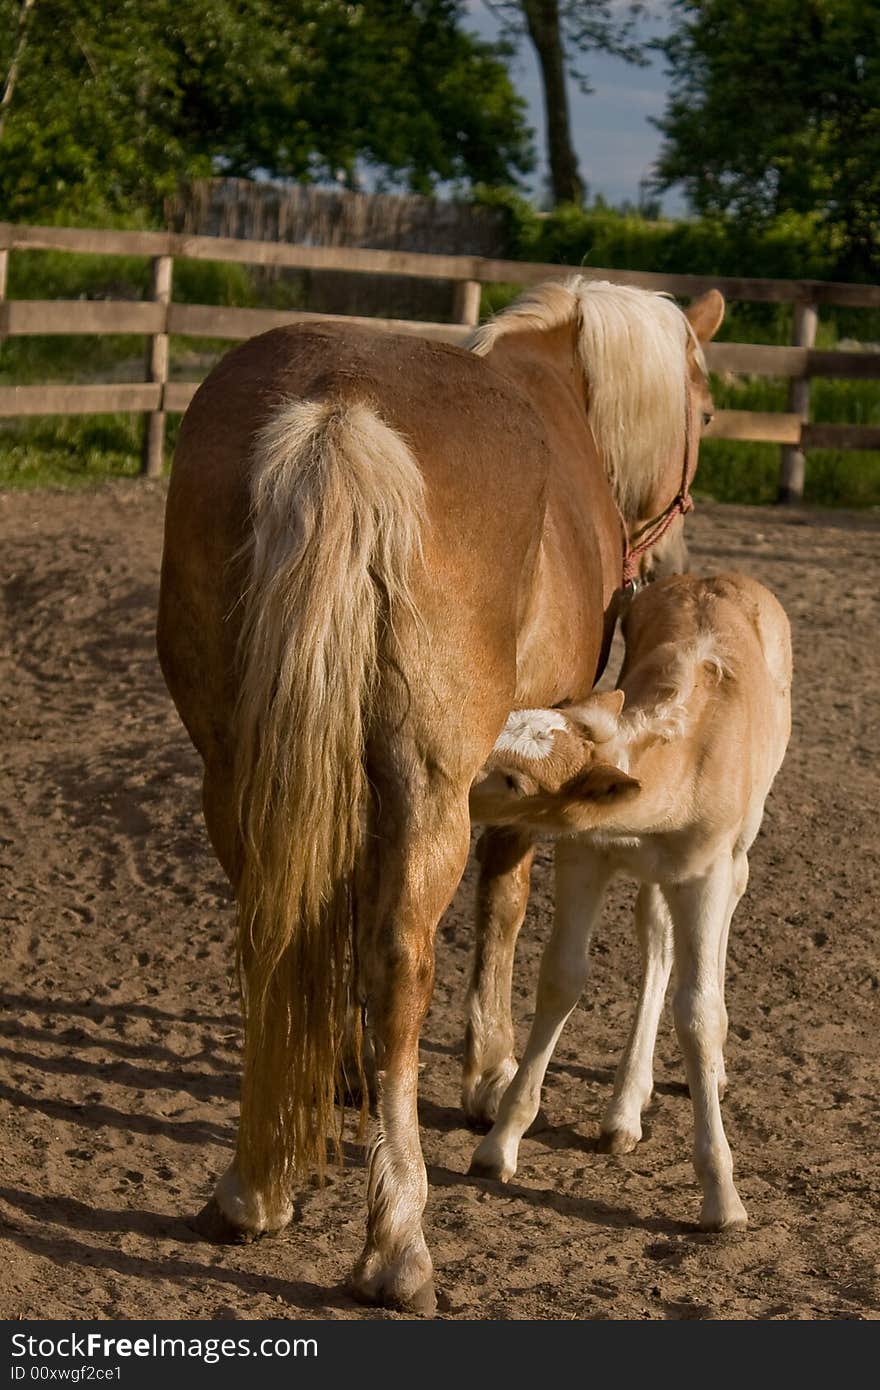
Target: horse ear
{"points": [[601, 782], [705, 314]]}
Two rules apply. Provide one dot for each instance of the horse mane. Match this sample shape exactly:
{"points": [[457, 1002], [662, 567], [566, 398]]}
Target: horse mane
{"points": [[632, 345]]}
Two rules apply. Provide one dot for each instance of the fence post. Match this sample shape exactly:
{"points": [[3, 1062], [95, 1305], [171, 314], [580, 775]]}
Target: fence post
{"points": [[792, 460], [157, 369], [466, 302], [4, 268]]}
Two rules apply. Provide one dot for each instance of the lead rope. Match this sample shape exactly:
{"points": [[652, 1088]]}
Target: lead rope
{"points": [[652, 531]]}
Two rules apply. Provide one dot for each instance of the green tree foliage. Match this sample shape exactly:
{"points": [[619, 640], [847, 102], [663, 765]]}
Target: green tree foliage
{"points": [[775, 108], [113, 104]]}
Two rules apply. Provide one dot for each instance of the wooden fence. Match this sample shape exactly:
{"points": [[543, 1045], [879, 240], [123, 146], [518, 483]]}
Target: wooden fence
{"points": [[159, 318]]}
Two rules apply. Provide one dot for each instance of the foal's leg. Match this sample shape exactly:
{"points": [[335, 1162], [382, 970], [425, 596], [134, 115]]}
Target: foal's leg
{"points": [[738, 887], [422, 856], [505, 857], [622, 1124], [581, 880], [701, 911]]}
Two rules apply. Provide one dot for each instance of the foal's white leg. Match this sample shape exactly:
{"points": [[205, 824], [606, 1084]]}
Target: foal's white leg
{"points": [[738, 887], [701, 912], [622, 1122], [581, 880]]}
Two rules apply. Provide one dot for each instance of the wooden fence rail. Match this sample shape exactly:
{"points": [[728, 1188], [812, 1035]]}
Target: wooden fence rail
{"points": [[159, 318]]}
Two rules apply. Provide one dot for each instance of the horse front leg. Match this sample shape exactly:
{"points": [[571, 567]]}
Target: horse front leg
{"points": [[422, 860], [505, 859]]}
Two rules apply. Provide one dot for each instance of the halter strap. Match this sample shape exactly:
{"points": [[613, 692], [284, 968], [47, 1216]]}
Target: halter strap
{"points": [[652, 531]]}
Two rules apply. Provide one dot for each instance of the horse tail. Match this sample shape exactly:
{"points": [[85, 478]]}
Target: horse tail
{"points": [[335, 529]]}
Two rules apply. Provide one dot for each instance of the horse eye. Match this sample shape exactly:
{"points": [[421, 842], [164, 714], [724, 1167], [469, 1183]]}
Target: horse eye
{"points": [[708, 417], [511, 784]]}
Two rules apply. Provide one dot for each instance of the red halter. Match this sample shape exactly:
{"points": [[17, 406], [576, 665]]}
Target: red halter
{"points": [[652, 531]]}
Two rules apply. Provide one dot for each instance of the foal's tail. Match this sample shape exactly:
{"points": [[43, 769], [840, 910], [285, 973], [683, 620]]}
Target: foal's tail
{"points": [[336, 518]]}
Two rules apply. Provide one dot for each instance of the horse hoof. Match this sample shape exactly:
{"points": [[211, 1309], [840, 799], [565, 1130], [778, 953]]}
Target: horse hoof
{"points": [[422, 1303], [213, 1225], [617, 1141], [400, 1286]]}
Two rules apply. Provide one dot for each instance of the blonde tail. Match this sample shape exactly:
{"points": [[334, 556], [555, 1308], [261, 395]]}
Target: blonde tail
{"points": [[336, 520]]}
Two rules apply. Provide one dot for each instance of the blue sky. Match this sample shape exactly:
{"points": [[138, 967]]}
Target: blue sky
{"points": [[614, 141]]}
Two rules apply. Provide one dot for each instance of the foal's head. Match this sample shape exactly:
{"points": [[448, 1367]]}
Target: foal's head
{"points": [[552, 768]]}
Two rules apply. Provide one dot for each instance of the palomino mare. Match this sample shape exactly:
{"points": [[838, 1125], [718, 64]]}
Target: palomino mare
{"points": [[375, 548]]}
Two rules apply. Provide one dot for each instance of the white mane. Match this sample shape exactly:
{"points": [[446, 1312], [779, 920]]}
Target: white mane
{"points": [[633, 349]]}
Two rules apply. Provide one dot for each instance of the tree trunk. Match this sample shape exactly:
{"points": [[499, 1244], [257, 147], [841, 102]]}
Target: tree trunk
{"points": [[542, 18], [14, 66]]}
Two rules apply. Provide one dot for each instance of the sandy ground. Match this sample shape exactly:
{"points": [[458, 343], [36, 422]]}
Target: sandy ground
{"points": [[118, 1067]]}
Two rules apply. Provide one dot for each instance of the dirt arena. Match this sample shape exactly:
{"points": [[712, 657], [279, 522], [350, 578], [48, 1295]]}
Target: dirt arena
{"points": [[118, 1060]]}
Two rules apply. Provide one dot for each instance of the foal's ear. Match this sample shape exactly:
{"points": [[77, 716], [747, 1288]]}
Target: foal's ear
{"points": [[705, 314], [598, 714], [601, 782], [610, 701]]}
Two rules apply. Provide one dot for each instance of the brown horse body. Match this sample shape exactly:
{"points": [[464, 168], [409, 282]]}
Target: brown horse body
{"points": [[375, 548]]}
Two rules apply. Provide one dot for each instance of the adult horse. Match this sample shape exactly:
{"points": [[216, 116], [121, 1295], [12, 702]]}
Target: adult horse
{"points": [[375, 548]]}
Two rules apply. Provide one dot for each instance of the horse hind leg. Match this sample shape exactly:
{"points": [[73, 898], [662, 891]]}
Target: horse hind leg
{"points": [[421, 843], [236, 1213], [634, 1082], [505, 858]]}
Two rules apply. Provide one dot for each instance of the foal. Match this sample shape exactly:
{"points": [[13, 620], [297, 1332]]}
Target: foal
{"points": [[664, 779]]}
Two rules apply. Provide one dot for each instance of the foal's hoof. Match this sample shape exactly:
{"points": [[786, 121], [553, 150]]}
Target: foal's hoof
{"points": [[488, 1163], [724, 1219], [617, 1141], [213, 1225]]}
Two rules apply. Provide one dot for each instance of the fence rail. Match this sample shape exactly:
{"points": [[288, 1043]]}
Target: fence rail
{"points": [[159, 318]]}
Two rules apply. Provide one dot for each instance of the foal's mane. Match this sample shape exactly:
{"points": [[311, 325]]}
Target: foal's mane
{"points": [[632, 345], [667, 718]]}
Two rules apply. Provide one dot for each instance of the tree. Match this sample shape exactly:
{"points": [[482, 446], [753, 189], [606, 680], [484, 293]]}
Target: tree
{"points": [[563, 33], [112, 105], [775, 108]]}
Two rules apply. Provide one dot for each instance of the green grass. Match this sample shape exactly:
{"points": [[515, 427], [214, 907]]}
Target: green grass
{"points": [[73, 451], [749, 473], [746, 472]]}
